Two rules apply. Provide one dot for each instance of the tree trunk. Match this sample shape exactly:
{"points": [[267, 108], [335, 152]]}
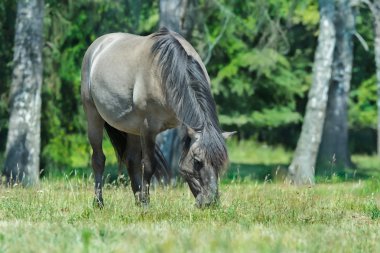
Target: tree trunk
{"points": [[376, 15], [178, 16], [23, 141], [301, 170], [333, 152]]}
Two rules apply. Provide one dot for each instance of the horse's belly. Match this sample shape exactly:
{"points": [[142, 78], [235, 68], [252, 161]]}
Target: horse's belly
{"points": [[130, 125], [126, 120]]}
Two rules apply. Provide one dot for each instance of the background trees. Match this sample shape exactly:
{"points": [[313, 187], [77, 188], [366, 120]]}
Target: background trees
{"points": [[22, 154], [302, 168], [259, 55], [334, 144], [374, 6]]}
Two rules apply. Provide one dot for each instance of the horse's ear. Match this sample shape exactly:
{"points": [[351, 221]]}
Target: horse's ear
{"points": [[227, 135]]}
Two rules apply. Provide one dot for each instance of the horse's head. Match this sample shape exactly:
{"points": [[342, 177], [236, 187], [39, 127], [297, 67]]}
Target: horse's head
{"points": [[201, 164]]}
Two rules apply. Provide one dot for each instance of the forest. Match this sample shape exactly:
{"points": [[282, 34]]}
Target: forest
{"points": [[259, 55], [298, 80]]}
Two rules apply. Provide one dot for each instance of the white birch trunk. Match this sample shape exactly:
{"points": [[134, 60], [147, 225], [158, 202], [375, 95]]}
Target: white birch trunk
{"points": [[333, 151], [301, 170], [22, 155], [178, 16]]}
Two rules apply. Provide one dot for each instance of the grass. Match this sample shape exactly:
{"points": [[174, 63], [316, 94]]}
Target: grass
{"points": [[58, 216], [252, 152], [255, 214], [259, 161]]}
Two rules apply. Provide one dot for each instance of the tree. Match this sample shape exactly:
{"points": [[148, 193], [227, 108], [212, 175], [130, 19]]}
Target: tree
{"points": [[178, 16], [301, 170], [334, 144], [23, 141]]}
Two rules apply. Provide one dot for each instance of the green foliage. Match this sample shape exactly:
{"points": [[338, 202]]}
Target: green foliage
{"points": [[7, 25], [363, 109], [259, 55], [307, 14], [71, 27], [257, 76]]}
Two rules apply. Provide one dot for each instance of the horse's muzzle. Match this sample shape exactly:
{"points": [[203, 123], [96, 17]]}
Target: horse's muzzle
{"points": [[207, 200], [205, 193], [209, 195]]}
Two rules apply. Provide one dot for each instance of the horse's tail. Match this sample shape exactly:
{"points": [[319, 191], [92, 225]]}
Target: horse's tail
{"points": [[119, 143]]}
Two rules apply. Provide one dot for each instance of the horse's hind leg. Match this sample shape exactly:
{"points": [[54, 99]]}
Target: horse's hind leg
{"points": [[95, 136]]}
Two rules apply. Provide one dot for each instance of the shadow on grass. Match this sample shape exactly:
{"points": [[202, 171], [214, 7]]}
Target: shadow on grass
{"points": [[255, 172], [111, 173], [237, 172], [278, 173]]}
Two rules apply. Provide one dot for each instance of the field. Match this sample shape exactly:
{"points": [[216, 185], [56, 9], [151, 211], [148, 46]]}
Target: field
{"points": [[253, 216]]}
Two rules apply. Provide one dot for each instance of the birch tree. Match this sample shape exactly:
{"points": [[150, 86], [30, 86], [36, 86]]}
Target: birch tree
{"points": [[178, 16], [334, 145], [22, 153], [301, 170]]}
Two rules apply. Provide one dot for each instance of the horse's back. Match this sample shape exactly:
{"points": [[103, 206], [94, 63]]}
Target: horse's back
{"points": [[91, 58]]}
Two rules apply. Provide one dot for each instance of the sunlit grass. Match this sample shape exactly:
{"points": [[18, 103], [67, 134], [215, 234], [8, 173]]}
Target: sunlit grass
{"points": [[58, 216], [253, 216], [255, 159], [252, 152], [368, 165]]}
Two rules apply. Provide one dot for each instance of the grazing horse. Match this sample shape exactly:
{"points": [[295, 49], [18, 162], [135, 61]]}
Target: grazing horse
{"points": [[138, 86]]}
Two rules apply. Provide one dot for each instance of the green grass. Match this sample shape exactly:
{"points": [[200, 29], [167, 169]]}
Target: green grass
{"points": [[58, 216], [252, 152], [255, 214], [259, 161]]}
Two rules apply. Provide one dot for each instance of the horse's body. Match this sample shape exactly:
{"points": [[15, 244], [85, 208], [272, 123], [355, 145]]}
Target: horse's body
{"points": [[128, 87]]}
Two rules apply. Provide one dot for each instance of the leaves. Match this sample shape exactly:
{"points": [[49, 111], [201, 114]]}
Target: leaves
{"points": [[363, 109], [260, 62]]}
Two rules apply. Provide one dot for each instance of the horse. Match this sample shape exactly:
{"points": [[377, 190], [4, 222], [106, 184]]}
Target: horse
{"points": [[138, 86]]}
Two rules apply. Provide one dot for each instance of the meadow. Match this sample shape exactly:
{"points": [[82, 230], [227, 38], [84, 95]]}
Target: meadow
{"points": [[253, 215]]}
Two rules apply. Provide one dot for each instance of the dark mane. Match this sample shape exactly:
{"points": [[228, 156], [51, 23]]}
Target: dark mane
{"points": [[188, 94]]}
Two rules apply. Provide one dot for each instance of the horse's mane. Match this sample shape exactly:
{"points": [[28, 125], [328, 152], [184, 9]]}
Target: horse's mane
{"points": [[188, 94]]}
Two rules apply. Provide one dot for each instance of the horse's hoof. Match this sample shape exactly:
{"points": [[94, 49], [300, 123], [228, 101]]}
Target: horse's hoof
{"points": [[98, 203]]}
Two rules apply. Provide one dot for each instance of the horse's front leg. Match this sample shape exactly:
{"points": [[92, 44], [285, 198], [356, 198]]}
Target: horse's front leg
{"points": [[147, 162]]}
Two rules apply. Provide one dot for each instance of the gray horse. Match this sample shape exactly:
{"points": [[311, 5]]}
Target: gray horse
{"points": [[136, 87]]}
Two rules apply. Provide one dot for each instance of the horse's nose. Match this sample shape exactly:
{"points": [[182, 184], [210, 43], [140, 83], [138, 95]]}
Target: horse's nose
{"points": [[207, 199]]}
